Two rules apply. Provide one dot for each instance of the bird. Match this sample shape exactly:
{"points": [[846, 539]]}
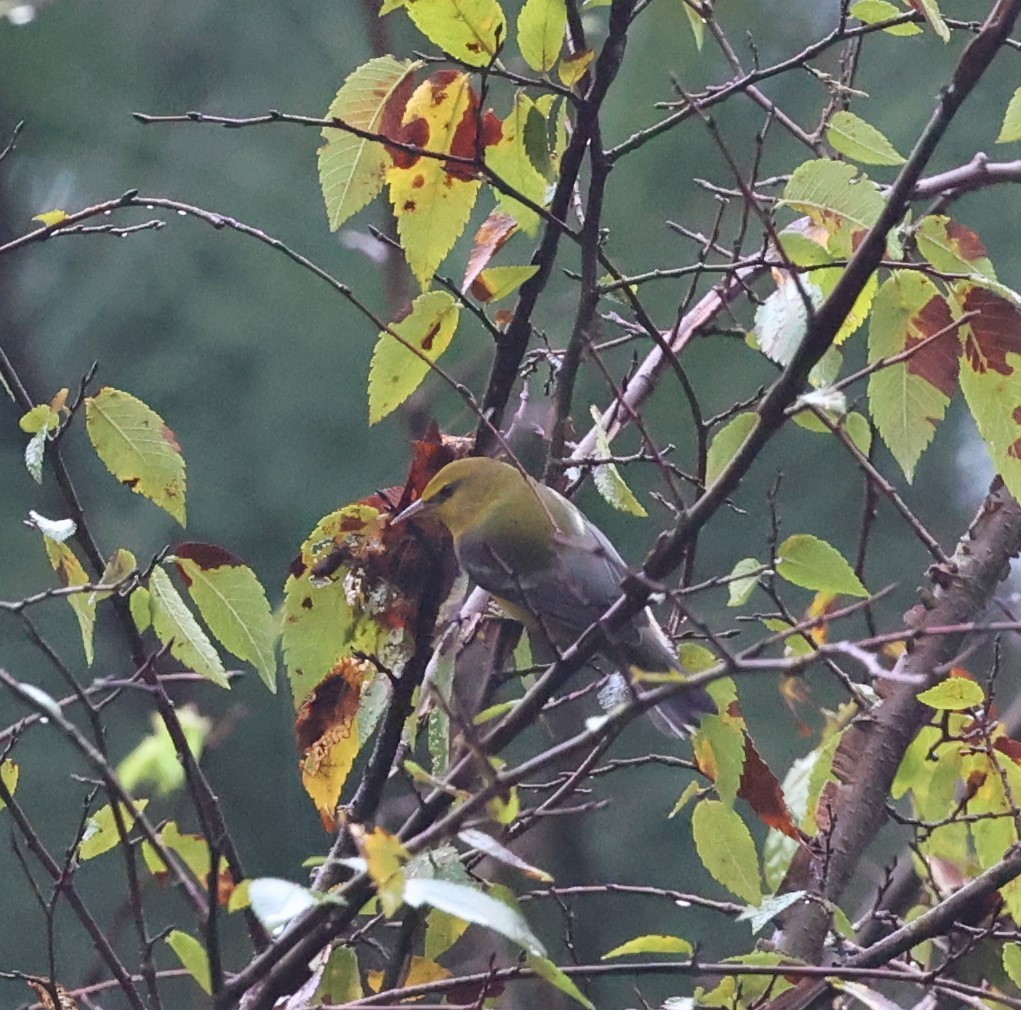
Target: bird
{"points": [[550, 568]]}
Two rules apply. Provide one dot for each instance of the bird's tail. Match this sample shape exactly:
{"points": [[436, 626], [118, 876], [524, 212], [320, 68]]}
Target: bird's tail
{"points": [[680, 714]]}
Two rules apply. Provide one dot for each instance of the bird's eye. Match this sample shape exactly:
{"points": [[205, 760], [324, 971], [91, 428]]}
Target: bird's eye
{"points": [[444, 492]]}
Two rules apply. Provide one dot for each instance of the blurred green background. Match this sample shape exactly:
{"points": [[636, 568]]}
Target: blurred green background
{"points": [[260, 369]]}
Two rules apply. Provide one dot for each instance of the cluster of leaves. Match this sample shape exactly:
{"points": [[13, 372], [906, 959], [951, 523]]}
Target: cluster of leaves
{"points": [[360, 604]]}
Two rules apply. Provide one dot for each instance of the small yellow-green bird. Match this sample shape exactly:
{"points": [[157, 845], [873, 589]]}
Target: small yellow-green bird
{"points": [[549, 567]]}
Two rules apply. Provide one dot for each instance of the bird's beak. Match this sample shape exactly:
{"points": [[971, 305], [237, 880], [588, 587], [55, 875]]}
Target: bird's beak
{"points": [[414, 509]]}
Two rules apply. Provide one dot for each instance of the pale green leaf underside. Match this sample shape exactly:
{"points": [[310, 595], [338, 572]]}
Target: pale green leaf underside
{"points": [[352, 169], [175, 625]]}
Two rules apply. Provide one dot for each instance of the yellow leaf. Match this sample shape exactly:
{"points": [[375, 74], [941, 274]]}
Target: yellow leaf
{"points": [[433, 198], [498, 282], [327, 731], [71, 573], [9, 772], [471, 31], [572, 68], [385, 855], [51, 217], [397, 370]]}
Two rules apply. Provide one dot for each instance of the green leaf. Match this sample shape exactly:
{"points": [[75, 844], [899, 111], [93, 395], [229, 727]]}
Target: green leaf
{"points": [[175, 626], [652, 943], [873, 11], [154, 760], [137, 448], [697, 24], [691, 790], [442, 931], [140, 605], [812, 563], [725, 846], [726, 443], [1012, 962], [855, 425], [340, 982], [233, 604], [932, 14], [192, 956], [511, 160], [471, 31], [952, 248], [606, 476], [1011, 128], [546, 969], [541, 27], [720, 746], [740, 590], [351, 169], [397, 371], [953, 694], [101, 834], [861, 141], [823, 188], [475, 906], [324, 622]]}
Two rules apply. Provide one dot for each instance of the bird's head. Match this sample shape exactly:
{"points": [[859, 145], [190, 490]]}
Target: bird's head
{"points": [[464, 492]]}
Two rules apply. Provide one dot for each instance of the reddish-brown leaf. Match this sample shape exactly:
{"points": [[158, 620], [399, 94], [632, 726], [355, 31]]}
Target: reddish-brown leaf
{"points": [[763, 792], [966, 242], [994, 333]]}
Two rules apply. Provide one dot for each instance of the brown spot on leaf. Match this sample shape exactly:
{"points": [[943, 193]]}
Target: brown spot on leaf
{"points": [[207, 556], [427, 340], [415, 133], [966, 242], [1012, 748], [418, 182], [130, 482], [492, 129], [409, 206], [937, 363], [332, 704], [170, 438], [307, 603]]}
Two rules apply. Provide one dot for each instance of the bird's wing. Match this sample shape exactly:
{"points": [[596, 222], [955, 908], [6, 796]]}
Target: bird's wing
{"points": [[577, 583]]}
